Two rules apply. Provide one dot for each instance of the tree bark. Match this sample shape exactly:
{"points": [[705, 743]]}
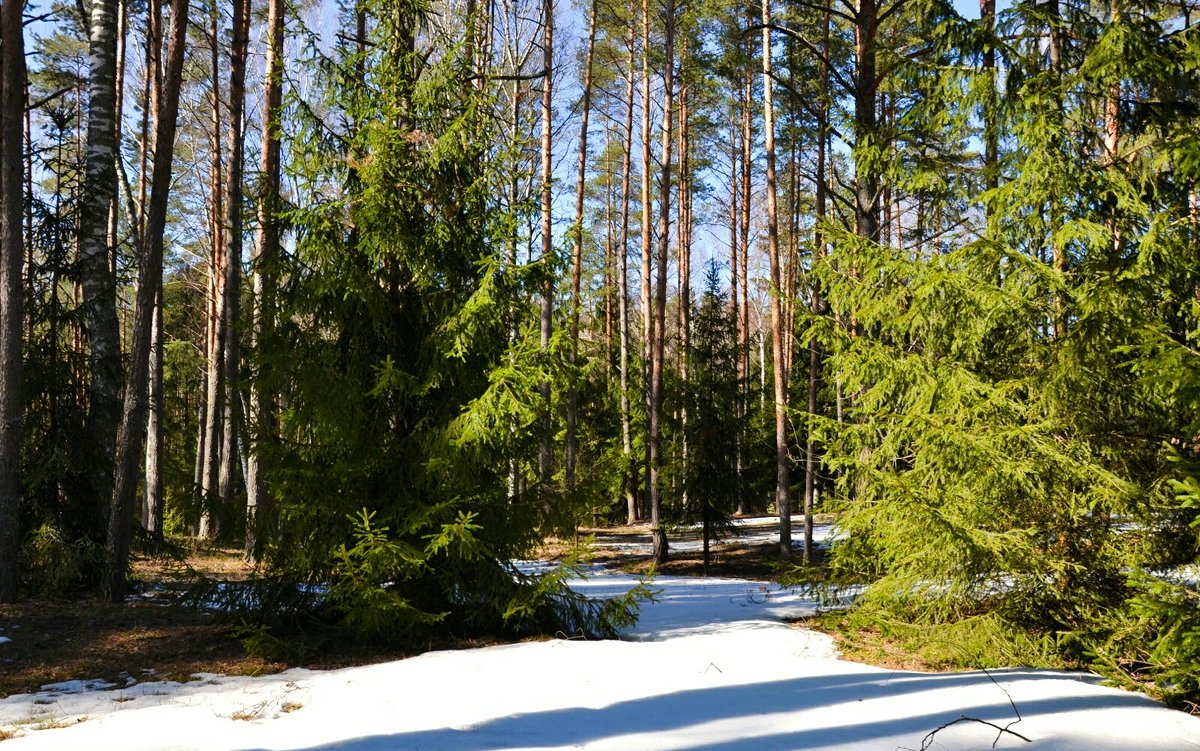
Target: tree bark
{"points": [[647, 255], [152, 503], [866, 184], [214, 381], [783, 503], [134, 414], [991, 134], [267, 250], [231, 420], [97, 256], [653, 480], [547, 313], [631, 495], [684, 242], [814, 353], [739, 406], [12, 189]]}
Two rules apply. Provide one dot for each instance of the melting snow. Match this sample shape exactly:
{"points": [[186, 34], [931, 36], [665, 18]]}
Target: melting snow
{"points": [[710, 667]]}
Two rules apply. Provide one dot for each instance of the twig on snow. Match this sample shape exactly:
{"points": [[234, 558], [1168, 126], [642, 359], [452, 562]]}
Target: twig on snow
{"points": [[927, 741]]}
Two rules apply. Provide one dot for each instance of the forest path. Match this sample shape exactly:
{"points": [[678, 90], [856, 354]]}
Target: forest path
{"points": [[710, 667]]}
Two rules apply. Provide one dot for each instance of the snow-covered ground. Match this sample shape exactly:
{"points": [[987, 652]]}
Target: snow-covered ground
{"points": [[709, 667]]}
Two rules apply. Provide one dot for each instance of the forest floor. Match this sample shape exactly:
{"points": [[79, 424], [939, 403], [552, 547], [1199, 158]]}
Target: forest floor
{"points": [[83, 637]]}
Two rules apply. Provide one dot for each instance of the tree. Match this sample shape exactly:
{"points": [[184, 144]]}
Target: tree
{"points": [[12, 191], [266, 258], [548, 264], [712, 426], [97, 255], [129, 445], [659, 312], [783, 504]]}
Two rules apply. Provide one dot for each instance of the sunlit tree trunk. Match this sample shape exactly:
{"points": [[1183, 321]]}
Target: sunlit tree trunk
{"points": [[734, 283], [654, 479], [133, 421], [783, 503], [267, 250], [816, 305], [647, 253], [547, 313], [631, 473], [97, 256], [152, 494], [684, 242], [214, 380]]}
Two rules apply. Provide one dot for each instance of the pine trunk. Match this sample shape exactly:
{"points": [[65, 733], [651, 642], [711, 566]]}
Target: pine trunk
{"points": [[734, 277], [647, 254], [547, 313], [152, 496], [814, 353], [653, 480], [631, 474], [12, 188], [231, 420], [783, 503], [267, 250], [129, 449], [214, 382]]}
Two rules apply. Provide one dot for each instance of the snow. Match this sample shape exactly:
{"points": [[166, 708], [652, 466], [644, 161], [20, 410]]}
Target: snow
{"points": [[710, 667]]}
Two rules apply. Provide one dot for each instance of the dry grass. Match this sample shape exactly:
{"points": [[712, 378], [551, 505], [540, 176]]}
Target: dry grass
{"points": [[58, 640], [83, 638]]}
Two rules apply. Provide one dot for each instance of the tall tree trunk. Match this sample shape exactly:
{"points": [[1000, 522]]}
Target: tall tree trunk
{"points": [[267, 250], [129, 449], [647, 254], [97, 256], [783, 503], [214, 381], [577, 251], [816, 305], [631, 474], [152, 497], [152, 493], [684, 242], [739, 406], [991, 133], [747, 142], [545, 456], [231, 420], [653, 480], [12, 188], [866, 184], [1112, 140]]}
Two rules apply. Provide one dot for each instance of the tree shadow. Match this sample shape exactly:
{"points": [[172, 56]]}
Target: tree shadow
{"points": [[686, 717]]}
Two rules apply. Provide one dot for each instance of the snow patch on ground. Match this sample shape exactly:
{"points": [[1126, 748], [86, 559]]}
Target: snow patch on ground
{"points": [[709, 667]]}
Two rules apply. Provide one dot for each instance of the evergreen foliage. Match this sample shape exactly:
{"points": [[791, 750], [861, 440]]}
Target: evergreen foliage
{"points": [[712, 481], [404, 365]]}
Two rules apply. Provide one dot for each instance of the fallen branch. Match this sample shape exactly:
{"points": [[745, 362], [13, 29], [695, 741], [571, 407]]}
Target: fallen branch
{"points": [[928, 740]]}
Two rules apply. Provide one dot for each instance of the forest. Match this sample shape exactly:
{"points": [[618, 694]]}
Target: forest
{"points": [[386, 293]]}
